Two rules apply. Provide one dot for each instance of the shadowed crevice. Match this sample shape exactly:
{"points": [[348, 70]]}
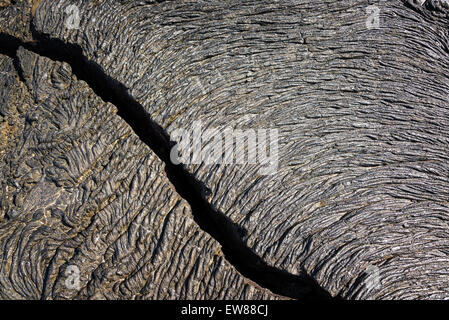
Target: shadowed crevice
{"points": [[215, 223]]}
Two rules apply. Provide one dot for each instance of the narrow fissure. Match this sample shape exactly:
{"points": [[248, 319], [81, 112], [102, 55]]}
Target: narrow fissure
{"points": [[215, 223]]}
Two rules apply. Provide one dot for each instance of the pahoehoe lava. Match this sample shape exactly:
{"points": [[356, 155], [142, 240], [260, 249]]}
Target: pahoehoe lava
{"points": [[215, 223]]}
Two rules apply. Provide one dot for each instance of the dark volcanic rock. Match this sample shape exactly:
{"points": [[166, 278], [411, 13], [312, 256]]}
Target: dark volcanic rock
{"points": [[81, 192], [361, 182]]}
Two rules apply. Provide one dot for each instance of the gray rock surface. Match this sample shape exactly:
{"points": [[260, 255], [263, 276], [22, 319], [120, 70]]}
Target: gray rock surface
{"points": [[81, 193], [361, 114]]}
